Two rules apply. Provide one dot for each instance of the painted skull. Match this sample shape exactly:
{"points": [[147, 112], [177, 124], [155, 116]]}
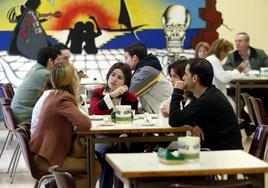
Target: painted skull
{"points": [[176, 19]]}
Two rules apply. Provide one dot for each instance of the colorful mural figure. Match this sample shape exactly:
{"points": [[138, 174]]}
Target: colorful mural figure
{"points": [[176, 20], [124, 19], [76, 38], [90, 35], [117, 24], [84, 33], [28, 36]]}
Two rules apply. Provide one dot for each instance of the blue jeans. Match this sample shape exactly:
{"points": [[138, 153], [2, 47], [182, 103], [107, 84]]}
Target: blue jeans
{"points": [[107, 174]]}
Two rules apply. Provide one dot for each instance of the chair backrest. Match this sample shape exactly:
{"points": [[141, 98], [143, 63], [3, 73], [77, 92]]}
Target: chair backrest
{"points": [[249, 106], [9, 118], [23, 136], [258, 144], [63, 179], [232, 184], [5, 101], [259, 110], [7, 90]]}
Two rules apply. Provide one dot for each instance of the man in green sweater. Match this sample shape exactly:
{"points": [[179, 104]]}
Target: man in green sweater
{"points": [[34, 82]]}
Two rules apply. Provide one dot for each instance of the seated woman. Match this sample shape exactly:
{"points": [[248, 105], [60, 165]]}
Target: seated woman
{"points": [[103, 101], [176, 72], [201, 49], [61, 117], [218, 52]]}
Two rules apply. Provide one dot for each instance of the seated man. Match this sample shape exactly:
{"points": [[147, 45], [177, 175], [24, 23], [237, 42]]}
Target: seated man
{"points": [[245, 54], [35, 80], [211, 110], [147, 80], [254, 59]]}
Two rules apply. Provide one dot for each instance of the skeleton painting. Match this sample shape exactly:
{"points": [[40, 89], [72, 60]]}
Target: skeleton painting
{"points": [[176, 20]]}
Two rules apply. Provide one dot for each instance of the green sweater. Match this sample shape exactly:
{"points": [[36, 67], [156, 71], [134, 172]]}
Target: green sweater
{"points": [[29, 92]]}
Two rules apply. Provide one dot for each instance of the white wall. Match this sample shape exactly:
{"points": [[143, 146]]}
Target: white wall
{"points": [[250, 16]]}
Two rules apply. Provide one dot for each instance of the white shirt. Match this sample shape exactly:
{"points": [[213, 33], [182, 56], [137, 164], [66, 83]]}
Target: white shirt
{"points": [[222, 77], [37, 109]]}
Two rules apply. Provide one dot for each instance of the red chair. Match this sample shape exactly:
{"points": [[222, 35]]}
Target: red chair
{"points": [[259, 111], [11, 125], [8, 91], [23, 136], [258, 144], [63, 179], [249, 106], [5, 102]]}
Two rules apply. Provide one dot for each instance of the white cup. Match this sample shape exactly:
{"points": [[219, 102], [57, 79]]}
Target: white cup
{"points": [[123, 114], [147, 118], [189, 147]]}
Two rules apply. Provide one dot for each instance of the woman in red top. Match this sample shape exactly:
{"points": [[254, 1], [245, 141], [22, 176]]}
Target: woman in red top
{"points": [[104, 99], [102, 102]]}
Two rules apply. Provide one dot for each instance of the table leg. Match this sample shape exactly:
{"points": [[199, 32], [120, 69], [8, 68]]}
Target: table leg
{"points": [[90, 159], [237, 100]]}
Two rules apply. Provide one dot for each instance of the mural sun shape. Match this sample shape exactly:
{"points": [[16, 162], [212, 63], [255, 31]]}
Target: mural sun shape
{"points": [[80, 12]]}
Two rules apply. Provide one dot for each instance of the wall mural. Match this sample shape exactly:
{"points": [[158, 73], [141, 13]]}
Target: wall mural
{"points": [[97, 30]]}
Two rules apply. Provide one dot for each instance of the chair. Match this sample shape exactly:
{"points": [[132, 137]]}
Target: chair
{"points": [[63, 179], [7, 90], [249, 106], [258, 144], [23, 136], [11, 124], [259, 111], [223, 184], [4, 102]]}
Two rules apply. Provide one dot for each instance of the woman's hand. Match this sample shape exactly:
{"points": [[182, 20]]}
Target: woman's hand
{"points": [[119, 91]]}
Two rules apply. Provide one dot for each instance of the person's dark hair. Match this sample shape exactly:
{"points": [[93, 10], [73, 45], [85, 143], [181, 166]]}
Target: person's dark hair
{"points": [[178, 66], [45, 53], [203, 69], [124, 68], [137, 49], [60, 46], [33, 4]]}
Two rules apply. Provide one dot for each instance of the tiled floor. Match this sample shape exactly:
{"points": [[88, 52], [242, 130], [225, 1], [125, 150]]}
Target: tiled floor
{"points": [[23, 178]]}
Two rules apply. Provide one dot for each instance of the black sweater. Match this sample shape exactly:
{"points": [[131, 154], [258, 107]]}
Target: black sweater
{"points": [[213, 113]]}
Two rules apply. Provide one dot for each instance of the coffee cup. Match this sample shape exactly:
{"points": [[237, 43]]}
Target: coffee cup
{"points": [[123, 114], [189, 147]]}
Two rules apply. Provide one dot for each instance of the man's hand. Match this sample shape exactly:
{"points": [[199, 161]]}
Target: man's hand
{"points": [[165, 111], [197, 131], [119, 91]]}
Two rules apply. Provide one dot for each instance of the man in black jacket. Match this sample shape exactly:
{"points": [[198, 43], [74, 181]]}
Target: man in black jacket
{"points": [[211, 110]]}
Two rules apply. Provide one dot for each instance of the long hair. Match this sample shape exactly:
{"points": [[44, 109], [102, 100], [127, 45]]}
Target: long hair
{"points": [[62, 76], [219, 46]]}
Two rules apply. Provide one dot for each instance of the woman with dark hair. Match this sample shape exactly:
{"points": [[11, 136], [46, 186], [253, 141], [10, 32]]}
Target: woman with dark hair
{"points": [[115, 92], [176, 71], [102, 102]]}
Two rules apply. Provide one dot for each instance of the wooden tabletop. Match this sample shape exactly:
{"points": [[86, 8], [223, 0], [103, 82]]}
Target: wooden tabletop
{"points": [[158, 125], [140, 165], [251, 80]]}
